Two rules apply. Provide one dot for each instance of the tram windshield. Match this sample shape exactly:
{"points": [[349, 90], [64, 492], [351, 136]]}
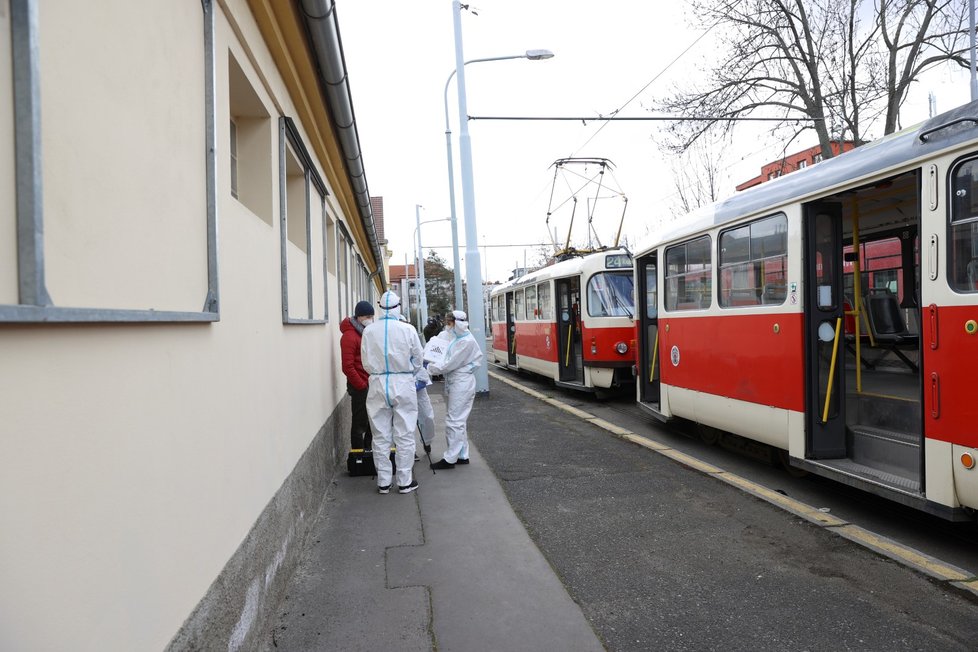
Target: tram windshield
{"points": [[611, 294]]}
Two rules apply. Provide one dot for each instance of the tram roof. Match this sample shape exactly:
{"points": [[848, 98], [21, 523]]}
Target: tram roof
{"points": [[940, 132], [564, 268]]}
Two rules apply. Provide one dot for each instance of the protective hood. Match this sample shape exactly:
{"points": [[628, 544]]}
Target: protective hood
{"points": [[390, 305], [461, 323]]}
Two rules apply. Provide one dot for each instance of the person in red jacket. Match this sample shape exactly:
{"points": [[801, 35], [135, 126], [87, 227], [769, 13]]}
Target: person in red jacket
{"points": [[356, 377]]}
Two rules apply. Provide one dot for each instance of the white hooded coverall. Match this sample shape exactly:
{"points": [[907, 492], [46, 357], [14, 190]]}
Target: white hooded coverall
{"points": [[391, 353], [462, 357]]}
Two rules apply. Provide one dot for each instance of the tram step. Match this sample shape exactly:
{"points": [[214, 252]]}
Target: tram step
{"points": [[889, 451], [873, 475], [891, 414]]}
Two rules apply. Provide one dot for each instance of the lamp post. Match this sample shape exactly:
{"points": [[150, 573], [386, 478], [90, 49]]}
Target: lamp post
{"points": [[532, 55], [473, 266], [423, 290]]}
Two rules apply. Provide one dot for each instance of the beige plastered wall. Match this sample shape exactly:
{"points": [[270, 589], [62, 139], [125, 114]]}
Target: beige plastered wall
{"points": [[134, 459]]}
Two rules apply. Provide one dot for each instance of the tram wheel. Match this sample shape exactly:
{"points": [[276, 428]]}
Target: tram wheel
{"points": [[793, 471], [709, 435]]}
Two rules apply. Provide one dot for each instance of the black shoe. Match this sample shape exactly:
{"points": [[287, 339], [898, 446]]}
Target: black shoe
{"points": [[386, 489], [461, 461], [442, 464], [408, 489], [417, 459]]}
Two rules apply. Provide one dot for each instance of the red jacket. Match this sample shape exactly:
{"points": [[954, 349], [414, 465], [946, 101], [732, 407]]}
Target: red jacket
{"points": [[350, 347]]}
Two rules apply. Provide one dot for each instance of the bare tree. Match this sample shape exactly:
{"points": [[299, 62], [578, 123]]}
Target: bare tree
{"points": [[918, 35], [815, 64], [696, 177]]}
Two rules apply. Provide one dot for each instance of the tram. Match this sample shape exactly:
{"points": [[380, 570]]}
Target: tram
{"points": [[572, 321], [833, 314]]}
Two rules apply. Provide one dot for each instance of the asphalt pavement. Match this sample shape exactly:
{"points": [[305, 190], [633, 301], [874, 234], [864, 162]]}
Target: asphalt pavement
{"points": [[561, 536]]}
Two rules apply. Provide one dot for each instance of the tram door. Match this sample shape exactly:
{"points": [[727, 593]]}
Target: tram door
{"points": [[569, 358], [648, 330], [824, 333], [510, 329]]}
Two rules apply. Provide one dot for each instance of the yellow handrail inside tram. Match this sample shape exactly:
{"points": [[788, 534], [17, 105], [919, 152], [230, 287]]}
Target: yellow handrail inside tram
{"points": [[567, 355], [835, 353], [857, 286], [655, 354]]}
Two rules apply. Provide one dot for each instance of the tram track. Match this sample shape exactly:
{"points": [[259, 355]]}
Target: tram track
{"points": [[956, 543]]}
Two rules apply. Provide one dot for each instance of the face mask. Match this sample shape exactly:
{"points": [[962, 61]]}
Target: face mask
{"points": [[366, 321]]}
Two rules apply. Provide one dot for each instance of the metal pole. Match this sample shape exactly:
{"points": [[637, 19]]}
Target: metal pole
{"points": [[473, 266], [423, 299], [457, 271], [974, 70], [529, 54]]}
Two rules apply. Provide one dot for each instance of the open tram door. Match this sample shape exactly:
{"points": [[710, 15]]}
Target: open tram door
{"points": [[825, 420], [570, 362], [510, 330], [863, 373], [648, 316]]}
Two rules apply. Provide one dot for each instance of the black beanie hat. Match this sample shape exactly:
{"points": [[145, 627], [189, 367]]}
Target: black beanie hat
{"points": [[363, 309]]}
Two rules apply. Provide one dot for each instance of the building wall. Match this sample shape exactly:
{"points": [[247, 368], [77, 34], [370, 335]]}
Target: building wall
{"points": [[157, 479]]}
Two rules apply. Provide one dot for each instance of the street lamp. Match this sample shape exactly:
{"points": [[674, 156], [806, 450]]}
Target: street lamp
{"points": [[423, 297], [473, 266], [532, 55]]}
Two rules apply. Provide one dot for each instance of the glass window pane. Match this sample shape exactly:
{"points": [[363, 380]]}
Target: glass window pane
{"points": [[735, 246], [610, 294], [531, 302], [543, 296], [520, 306]]}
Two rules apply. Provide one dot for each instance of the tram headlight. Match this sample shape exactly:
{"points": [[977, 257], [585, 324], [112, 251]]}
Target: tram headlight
{"points": [[621, 347]]}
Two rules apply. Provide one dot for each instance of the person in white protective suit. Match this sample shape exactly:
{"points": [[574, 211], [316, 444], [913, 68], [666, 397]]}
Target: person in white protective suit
{"points": [[391, 353], [462, 357]]}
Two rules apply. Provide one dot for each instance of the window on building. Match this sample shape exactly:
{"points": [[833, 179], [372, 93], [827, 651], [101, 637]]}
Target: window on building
{"points": [[302, 228], [251, 144], [689, 275], [8, 196], [817, 157], [962, 259], [753, 263], [802, 164], [106, 233]]}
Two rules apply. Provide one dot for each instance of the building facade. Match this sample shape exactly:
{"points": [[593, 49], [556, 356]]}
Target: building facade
{"points": [[797, 161], [184, 221]]}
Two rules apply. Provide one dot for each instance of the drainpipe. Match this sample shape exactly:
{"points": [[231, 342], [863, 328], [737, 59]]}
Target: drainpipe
{"points": [[319, 17]]}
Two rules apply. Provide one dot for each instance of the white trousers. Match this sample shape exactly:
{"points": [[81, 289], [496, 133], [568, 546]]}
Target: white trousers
{"points": [[459, 394], [392, 407], [426, 416]]}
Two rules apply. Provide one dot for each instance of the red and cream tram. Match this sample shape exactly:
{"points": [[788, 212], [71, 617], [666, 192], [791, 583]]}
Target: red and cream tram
{"points": [[833, 314], [571, 321]]}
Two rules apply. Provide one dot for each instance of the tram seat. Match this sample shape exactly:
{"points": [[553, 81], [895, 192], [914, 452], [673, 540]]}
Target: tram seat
{"points": [[849, 331], [773, 293], [888, 326], [972, 270]]}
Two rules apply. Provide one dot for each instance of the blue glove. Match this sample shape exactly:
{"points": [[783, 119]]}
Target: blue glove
{"points": [[419, 385]]}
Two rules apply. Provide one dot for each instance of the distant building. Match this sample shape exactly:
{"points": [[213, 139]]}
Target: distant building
{"points": [[797, 161]]}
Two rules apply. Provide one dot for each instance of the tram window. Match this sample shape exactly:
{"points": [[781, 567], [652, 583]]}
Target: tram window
{"points": [[689, 275], [610, 294], [651, 290], [531, 302], [753, 263], [520, 306], [962, 261], [543, 298]]}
